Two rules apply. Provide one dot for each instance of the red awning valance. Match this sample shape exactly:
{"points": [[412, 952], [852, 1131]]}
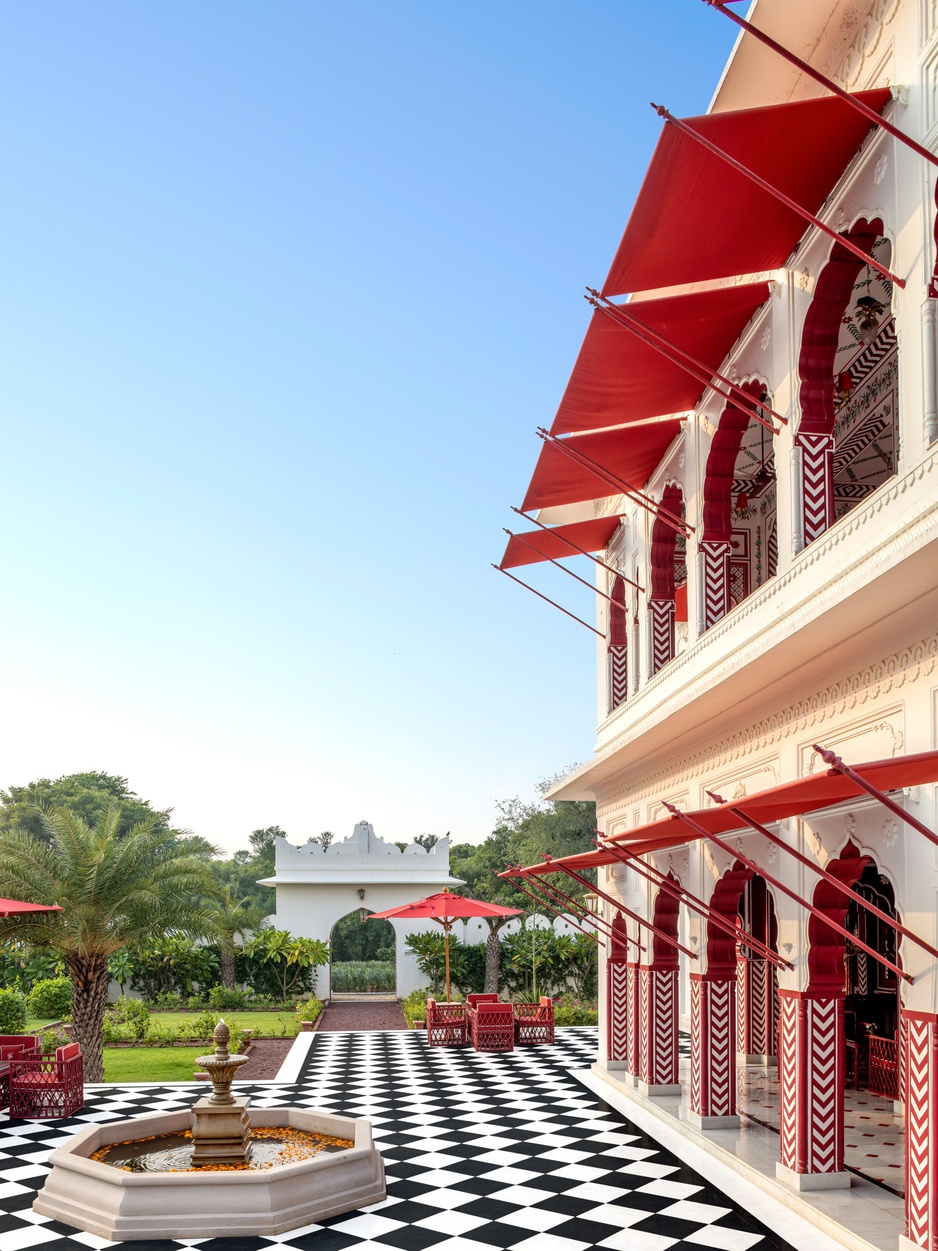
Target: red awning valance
{"points": [[791, 799], [696, 219], [536, 545], [632, 455], [618, 379]]}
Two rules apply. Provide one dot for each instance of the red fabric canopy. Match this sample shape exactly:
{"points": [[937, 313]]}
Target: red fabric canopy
{"points": [[791, 799], [591, 536], [697, 219], [630, 454], [11, 907], [617, 378], [446, 907]]}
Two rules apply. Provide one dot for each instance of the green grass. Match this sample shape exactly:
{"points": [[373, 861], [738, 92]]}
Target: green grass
{"points": [[264, 1024], [37, 1023], [150, 1064]]}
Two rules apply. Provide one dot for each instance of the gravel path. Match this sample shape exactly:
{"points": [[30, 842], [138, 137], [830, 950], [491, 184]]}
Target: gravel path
{"points": [[362, 1015], [267, 1055]]}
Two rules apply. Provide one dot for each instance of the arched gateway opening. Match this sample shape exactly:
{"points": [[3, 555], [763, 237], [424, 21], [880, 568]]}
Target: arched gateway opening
{"points": [[362, 955]]}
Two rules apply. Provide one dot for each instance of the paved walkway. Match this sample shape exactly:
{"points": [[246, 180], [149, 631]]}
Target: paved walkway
{"points": [[363, 1014], [484, 1152]]}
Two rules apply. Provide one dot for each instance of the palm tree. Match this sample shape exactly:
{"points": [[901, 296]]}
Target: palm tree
{"points": [[230, 917], [115, 889]]}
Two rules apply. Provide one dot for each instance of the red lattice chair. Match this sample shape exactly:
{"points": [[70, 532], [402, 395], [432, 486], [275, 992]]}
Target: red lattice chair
{"points": [[45, 1087], [472, 1000], [491, 1026], [14, 1047], [446, 1024], [534, 1022]]}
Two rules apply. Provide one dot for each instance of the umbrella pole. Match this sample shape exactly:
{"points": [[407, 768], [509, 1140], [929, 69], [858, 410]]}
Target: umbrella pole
{"points": [[446, 932]]}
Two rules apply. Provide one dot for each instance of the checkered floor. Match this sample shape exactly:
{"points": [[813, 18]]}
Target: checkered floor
{"points": [[483, 1152]]}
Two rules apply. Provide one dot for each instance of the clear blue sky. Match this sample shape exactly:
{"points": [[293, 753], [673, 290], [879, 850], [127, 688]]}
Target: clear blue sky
{"points": [[285, 289]]}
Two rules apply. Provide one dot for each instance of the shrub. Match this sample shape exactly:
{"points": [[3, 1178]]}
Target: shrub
{"points": [[161, 1034], [222, 997], [129, 1017], [414, 1006], [169, 999], [575, 1013], [49, 1039], [308, 1010], [12, 1012], [51, 997]]}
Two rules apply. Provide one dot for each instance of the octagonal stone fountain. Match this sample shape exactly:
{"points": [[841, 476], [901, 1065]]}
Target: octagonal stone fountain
{"points": [[219, 1169]]}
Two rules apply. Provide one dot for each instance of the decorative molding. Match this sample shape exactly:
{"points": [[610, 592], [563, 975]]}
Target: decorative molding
{"points": [[882, 678], [867, 44]]}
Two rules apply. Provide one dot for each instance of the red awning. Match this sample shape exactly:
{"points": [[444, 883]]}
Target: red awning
{"points": [[591, 536], [629, 454], [618, 379], [697, 219], [791, 799]]}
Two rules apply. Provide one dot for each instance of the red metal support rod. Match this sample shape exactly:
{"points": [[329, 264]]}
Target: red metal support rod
{"points": [[582, 550], [835, 762], [549, 601], [575, 903], [679, 892], [816, 912], [828, 877], [617, 483], [865, 257], [602, 926], [589, 586], [545, 904], [697, 369], [871, 116], [672, 942]]}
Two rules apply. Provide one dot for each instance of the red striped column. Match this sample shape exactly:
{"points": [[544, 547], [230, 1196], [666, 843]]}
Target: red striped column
{"points": [[617, 1014], [658, 1073], [661, 627], [743, 1015], [715, 559], [817, 483], [634, 1027], [920, 1091], [713, 1052], [811, 1091]]}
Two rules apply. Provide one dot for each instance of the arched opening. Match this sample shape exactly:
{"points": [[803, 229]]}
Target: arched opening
{"points": [[617, 648], [362, 955], [838, 967], [740, 543], [664, 954], [848, 434], [667, 602]]}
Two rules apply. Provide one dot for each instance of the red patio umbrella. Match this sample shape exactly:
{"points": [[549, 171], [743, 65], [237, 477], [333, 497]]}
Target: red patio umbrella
{"points": [[10, 907], [446, 909]]}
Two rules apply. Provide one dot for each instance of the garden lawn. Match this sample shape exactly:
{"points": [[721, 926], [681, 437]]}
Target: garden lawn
{"points": [[34, 1024], [264, 1024], [150, 1064]]}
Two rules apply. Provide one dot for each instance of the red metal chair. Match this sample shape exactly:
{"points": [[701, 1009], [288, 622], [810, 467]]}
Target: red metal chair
{"points": [[45, 1087], [14, 1047], [534, 1022], [884, 1067], [472, 1000], [446, 1024], [491, 1026]]}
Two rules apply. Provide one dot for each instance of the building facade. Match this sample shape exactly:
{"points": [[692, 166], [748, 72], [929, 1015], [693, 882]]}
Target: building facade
{"points": [[749, 445]]}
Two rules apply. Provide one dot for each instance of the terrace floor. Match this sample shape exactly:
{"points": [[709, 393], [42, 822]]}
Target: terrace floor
{"points": [[482, 1152]]}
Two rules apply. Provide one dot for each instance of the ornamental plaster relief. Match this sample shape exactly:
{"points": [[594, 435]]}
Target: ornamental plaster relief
{"points": [[870, 47], [886, 676], [877, 737]]}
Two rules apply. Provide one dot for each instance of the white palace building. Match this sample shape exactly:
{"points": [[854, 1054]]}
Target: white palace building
{"points": [[748, 447]]}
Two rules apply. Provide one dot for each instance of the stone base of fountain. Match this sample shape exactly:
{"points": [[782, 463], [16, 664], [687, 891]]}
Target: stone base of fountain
{"points": [[116, 1204], [221, 1131]]}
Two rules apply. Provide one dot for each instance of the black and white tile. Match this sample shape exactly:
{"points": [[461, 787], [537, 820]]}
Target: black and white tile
{"points": [[483, 1153]]}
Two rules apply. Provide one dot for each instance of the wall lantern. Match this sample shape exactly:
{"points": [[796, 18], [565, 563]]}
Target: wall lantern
{"points": [[362, 912], [868, 311]]}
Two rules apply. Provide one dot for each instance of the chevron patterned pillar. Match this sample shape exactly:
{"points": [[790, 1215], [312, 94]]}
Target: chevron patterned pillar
{"points": [[618, 661], [617, 1014], [817, 483], [920, 1072], [715, 558], [661, 629], [811, 1091], [657, 1073], [633, 998], [713, 1052], [743, 1013]]}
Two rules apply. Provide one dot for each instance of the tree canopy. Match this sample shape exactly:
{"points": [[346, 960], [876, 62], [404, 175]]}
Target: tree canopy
{"points": [[87, 795]]}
